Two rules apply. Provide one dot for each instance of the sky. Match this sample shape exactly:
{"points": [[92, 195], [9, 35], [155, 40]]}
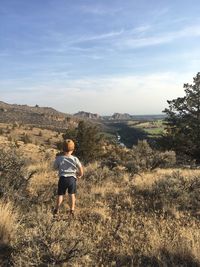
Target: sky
{"points": [[101, 56]]}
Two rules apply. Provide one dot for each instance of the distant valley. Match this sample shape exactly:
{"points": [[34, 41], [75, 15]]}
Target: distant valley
{"points": [[130, 128]]}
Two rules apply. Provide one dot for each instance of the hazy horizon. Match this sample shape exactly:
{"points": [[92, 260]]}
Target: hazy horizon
{"points": [[102, 115], [101, 57]]}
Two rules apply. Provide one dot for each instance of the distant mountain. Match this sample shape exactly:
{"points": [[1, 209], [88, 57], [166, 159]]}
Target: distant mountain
{"points": [[87, 115], [47, 116], [121, 116], [126, 116], [43, 116]]}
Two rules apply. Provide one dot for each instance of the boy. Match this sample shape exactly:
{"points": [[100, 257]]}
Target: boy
{"points": [[69, 169]]}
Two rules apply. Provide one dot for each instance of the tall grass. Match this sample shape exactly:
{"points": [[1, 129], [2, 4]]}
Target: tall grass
{"points": [[8, 223], [146, 219]]}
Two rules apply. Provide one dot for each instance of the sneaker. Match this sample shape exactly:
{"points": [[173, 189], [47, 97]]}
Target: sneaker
{"points": [[71, 212], [55, 213]]}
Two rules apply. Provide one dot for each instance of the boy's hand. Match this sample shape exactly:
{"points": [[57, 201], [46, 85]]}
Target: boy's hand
{"points": [[79, 172]]}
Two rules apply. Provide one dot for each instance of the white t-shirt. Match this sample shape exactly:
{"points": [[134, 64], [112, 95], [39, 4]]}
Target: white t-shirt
{"points": [[67, 165]]}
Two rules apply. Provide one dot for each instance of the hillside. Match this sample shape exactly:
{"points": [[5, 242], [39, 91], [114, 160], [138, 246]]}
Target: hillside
{"points": [[43, 116], [123, 218]]}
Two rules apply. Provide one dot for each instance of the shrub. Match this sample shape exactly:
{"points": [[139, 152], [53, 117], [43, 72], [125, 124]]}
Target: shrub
{"points": [[48, 243], [48, 142], [8, 231], [96, 174], [12, 180], [26, 139], [15, 125], [175, 190], [8, 222], [10, 138], [7, 131], [145, 158], [165, 159], [88, 141], [56, 135], [140, 158]]}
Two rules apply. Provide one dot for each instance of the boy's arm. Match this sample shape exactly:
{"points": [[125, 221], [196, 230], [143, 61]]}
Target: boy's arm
{"points": [[80, 171], [55, 164], [79, 168]]}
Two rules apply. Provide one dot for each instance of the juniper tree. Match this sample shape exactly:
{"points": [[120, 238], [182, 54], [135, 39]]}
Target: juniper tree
{"points": [[183, 121], [88, 141]]}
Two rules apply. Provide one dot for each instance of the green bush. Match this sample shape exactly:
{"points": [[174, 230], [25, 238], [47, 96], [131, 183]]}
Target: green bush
{"points": [[140, 158], [88, 141]]}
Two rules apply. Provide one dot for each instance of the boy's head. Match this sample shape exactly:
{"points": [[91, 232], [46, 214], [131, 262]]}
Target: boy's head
{"points": [[68, 145]]}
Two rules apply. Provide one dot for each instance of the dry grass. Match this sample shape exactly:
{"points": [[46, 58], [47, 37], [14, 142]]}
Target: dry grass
{"points": [[150, 219], [8, 223], [8, 232]]}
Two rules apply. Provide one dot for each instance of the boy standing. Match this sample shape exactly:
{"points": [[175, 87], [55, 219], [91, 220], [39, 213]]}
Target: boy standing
{"points": [[69, 169]]}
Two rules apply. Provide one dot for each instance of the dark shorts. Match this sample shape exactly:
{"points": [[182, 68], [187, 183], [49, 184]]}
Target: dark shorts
{"points": [[66, 184]]}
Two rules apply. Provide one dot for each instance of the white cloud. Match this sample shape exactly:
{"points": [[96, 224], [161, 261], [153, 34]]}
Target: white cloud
{"points": [[166, 37], [102, 36], [142, 94], [138, 37]]}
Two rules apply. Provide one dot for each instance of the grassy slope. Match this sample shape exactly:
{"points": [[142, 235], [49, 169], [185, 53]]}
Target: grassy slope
{"points": [[151, 219], [152, 128]]}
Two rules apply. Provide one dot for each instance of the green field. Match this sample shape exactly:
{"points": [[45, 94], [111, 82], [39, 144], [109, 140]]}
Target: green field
{"points": [[133, 130], [152, 128]]}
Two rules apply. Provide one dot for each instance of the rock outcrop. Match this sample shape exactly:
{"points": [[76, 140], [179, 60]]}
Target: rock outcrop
{"points": [[87, 115]]}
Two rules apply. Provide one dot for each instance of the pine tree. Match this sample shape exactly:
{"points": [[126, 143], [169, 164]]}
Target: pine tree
{"points": [[183, 121], [88, 141]]}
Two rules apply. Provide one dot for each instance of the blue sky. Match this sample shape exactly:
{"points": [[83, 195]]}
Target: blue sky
{"points": [[102, 56]]}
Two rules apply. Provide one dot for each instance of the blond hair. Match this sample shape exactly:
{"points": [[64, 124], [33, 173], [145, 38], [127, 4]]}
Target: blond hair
{"points": [[68, 145]]}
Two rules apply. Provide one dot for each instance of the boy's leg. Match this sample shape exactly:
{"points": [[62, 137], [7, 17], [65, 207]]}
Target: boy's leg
{"points": [[72, 201], [61, 193], [71, 193], [58, 203]]}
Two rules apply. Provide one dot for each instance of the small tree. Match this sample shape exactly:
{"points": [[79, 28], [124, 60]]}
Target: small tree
{"points": [[183, 121]]}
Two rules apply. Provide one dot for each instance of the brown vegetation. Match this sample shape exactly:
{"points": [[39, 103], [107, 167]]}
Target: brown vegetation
{"points": [[43, 116], [126, 216]]}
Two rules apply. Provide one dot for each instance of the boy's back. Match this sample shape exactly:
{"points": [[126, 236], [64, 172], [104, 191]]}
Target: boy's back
{"points": [[67, 165]]}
